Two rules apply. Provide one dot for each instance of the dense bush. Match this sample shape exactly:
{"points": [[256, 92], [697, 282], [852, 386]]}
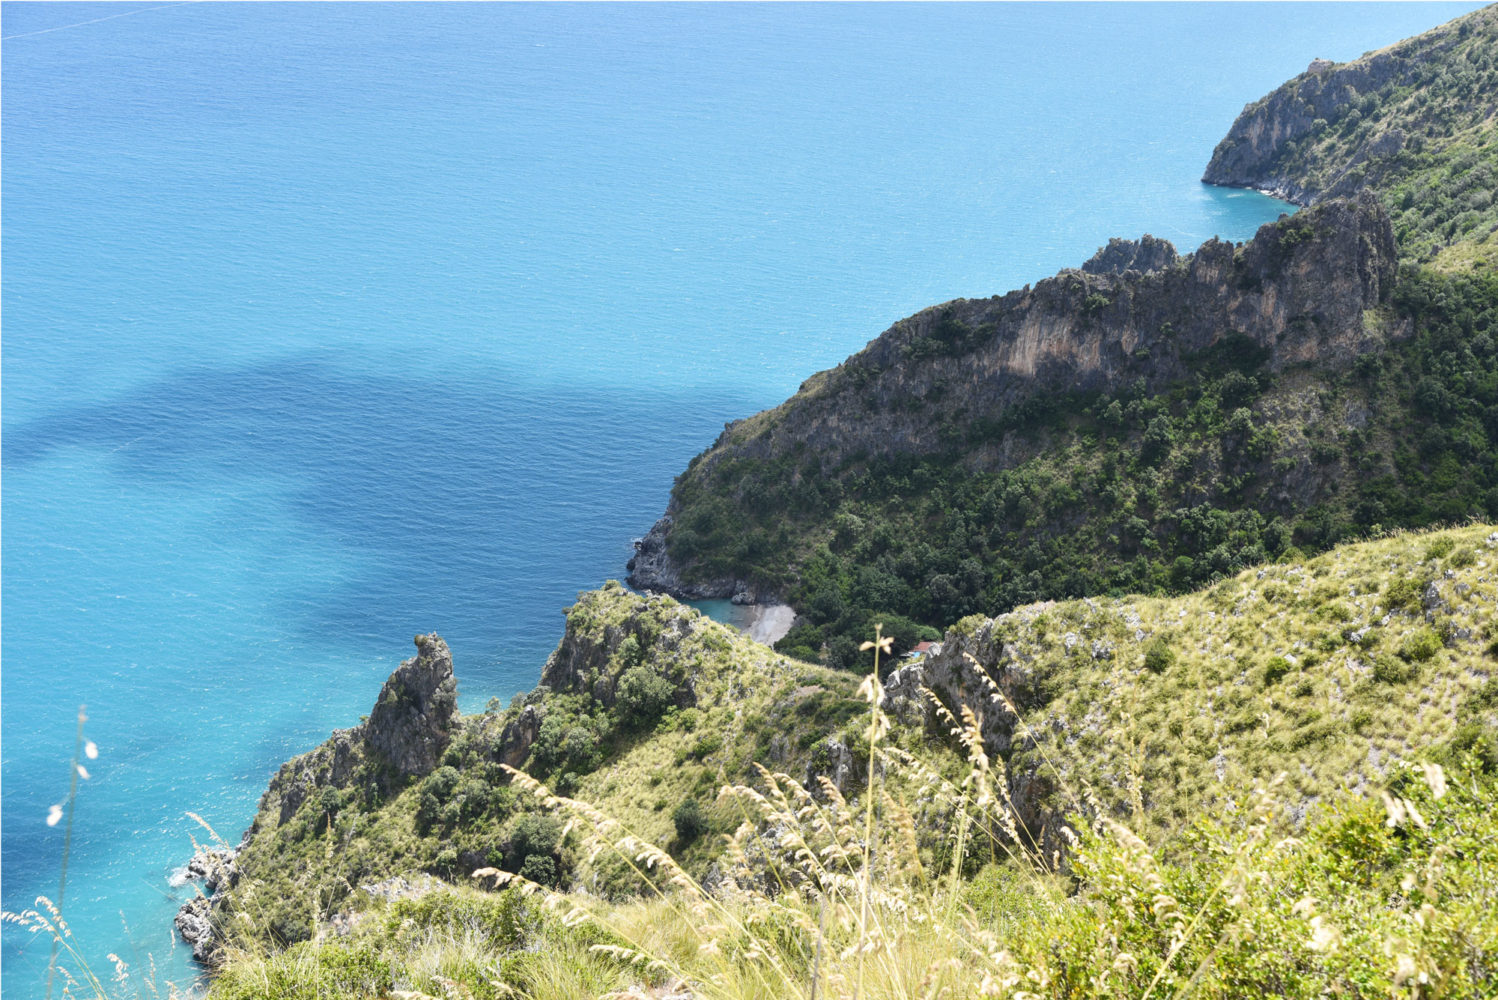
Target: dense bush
{"points": [[689, 820], [644, 695]]}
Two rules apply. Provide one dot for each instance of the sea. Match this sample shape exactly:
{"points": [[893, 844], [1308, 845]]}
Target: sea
{"points": [[329, 324]]}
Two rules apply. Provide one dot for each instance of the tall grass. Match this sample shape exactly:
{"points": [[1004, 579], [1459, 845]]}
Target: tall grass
{"points": [[926, 885]]}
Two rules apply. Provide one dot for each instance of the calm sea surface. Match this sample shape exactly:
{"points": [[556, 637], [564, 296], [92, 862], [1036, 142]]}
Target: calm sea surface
{"points": [[329, 324]]}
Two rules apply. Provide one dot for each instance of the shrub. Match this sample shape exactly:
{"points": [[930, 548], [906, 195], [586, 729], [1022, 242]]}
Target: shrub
{"points": [[1392, 670], [1275, 669], [689, 821], [532, 835], [541, 869], [707, 743], [1439, 547], [1420, 646], [1158, 656], [1404, 595], [644, 695]]}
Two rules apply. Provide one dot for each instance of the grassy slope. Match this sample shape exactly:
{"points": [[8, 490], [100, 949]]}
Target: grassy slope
{"points": [[1330, 670], [1186, 734]]}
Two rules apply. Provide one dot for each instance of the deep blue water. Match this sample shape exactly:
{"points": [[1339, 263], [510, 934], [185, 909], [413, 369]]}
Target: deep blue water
{"points": [[325, 325]]}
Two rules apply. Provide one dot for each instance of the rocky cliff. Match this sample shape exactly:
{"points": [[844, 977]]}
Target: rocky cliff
{"points": [[1395, 122], [952, 379]]}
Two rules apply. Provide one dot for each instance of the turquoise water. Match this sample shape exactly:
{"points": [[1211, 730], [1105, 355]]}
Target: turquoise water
{"points": [[329, 324]]}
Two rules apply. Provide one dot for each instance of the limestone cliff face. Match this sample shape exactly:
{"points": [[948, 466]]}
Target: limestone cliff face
{"points": [[1251, 154], [1298, 290], [1296, 293], [411, 723]]}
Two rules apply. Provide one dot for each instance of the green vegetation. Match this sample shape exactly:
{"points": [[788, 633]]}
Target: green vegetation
{"points": [[1272, 771], [1246, 809], [1167, 708], [1415, 124], [1141, 486], [1363, 899], [1217, 794]]}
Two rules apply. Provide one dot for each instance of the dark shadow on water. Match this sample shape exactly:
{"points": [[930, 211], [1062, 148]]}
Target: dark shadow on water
{"points": [[476, 507]]}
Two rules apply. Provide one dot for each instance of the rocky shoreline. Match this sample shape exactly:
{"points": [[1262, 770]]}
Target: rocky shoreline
{"points": [[651, 569]]}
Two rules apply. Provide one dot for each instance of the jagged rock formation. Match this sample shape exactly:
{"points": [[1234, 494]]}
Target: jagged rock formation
{"points": [[1146, 254], [945, 379], [194, 922], [1393, 121], [410, 725], [1298, 290]]}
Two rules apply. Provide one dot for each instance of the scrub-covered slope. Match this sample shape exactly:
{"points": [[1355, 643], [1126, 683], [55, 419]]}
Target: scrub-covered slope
{"points": [[645, 708]]}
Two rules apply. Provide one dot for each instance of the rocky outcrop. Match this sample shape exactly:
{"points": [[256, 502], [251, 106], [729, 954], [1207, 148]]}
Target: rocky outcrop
{"points": [[1146, 254], [194, 923], [411, 723], [651, 568], [976, 668], [214, 867], [832, 759], [404, 736], [518, 735], [594, 655]]}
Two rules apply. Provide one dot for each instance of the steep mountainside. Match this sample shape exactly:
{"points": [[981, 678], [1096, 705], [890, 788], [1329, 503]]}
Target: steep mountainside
{"points": [[1129, 433], [1416, 123], [1331, 670]]}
